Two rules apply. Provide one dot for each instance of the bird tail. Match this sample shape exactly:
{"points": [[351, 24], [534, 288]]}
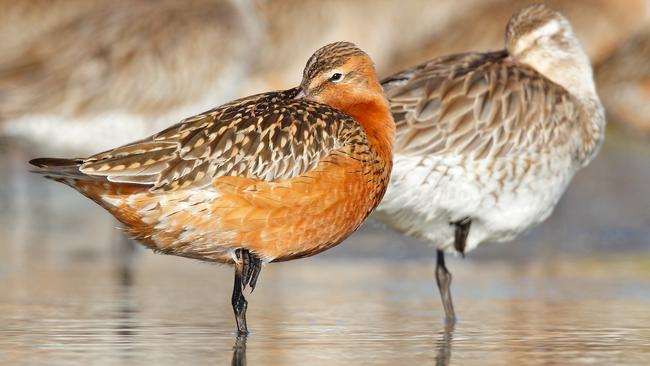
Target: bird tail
{"points": [[59, 169], [106, 194]]}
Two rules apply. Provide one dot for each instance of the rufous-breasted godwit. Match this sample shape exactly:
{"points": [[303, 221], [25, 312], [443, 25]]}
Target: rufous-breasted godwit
{"points": [[492, 139], [267, 178]]}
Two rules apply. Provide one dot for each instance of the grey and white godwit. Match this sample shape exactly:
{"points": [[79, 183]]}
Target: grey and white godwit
{"points": [[267, 178], [486, 143]]}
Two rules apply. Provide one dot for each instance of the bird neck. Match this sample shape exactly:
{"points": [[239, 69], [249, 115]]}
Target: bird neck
{"points": [[572, 71], [568, 67], [375, 118], [574, 75]]}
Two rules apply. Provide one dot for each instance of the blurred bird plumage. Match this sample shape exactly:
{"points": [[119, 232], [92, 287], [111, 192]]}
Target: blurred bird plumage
{"points": [[492, 139], [114, 72]]}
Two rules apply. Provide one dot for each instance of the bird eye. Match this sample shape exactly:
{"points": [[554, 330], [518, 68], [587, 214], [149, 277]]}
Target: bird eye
{"points": [[336, 77]]}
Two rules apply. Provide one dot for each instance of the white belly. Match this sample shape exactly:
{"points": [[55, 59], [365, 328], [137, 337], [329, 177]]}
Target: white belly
{"points": [[503, 198]]}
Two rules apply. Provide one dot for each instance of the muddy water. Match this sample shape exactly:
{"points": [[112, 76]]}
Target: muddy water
{"points": [[574, 291]]}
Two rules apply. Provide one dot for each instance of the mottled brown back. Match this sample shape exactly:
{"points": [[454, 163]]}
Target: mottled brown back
{"points": [[270, 136], [479, 106]]}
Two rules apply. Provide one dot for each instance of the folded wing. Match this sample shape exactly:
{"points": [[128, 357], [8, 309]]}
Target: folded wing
{"points": [[478, 106], [270, 137]]}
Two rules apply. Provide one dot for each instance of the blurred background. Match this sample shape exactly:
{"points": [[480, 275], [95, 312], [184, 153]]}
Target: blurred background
{"points": [[80, 76]]}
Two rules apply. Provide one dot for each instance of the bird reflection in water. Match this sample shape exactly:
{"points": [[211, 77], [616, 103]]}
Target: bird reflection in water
{"points": [[239, 351], [126, 329], [443, 347]]}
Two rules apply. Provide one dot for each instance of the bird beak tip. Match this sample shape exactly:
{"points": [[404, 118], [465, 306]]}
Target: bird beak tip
{"points": [[301, 94]]}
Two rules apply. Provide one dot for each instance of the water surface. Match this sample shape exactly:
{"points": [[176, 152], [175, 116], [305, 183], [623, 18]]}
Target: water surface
{"points": [[328, 312]]}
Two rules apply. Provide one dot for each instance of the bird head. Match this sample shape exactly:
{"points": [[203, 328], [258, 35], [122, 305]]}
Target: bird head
{"points": [[340, 75], [544, 40]]}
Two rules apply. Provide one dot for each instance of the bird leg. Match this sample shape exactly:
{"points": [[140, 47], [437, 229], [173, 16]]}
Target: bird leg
{"points": [[247, 270], [460, 234], [443, 278]]}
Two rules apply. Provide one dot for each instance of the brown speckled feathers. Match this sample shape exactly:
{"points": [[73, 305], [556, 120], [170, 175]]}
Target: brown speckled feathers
{"points": [[478, 105], [337, 53], [269, 136], [282, 175]]}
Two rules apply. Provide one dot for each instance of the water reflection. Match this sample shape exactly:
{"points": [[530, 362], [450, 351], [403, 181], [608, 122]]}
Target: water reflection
{"points": [[126, 328], [239, 351], [445, 338], [176, 312], [442, 349]]}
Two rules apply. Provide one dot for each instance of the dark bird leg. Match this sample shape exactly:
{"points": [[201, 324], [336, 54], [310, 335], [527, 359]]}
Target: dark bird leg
{"points": [[443, 278], [460, 234], [239, 303], [247, 270]]}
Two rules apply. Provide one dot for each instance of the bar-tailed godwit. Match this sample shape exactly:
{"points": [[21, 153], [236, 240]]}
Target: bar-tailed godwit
{"points": [[267, 178], [486, 143]]}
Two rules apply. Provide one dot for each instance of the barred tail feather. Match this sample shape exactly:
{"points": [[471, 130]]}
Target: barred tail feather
{"points": [[59, 169]]}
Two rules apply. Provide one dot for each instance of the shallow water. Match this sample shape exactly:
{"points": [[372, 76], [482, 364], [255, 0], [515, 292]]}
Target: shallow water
{"points": [[329, 312], [573, 291]]}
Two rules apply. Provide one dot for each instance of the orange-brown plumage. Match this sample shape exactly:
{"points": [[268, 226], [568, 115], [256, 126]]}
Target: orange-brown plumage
{"points": [[271, 177], [275, 220]]}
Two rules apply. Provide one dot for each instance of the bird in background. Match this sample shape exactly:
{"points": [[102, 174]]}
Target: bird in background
{"points": [[602, 25], [486, 143], [267, 178], [623, 80], [103, 73], [293, 27]]}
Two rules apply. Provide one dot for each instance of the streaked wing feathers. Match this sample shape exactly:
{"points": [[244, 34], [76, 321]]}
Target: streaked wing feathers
{"points": [[477, 105], [268, 136]]}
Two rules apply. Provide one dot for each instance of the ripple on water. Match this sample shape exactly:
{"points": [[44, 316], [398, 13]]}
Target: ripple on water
{"points": [[178, 311]]}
